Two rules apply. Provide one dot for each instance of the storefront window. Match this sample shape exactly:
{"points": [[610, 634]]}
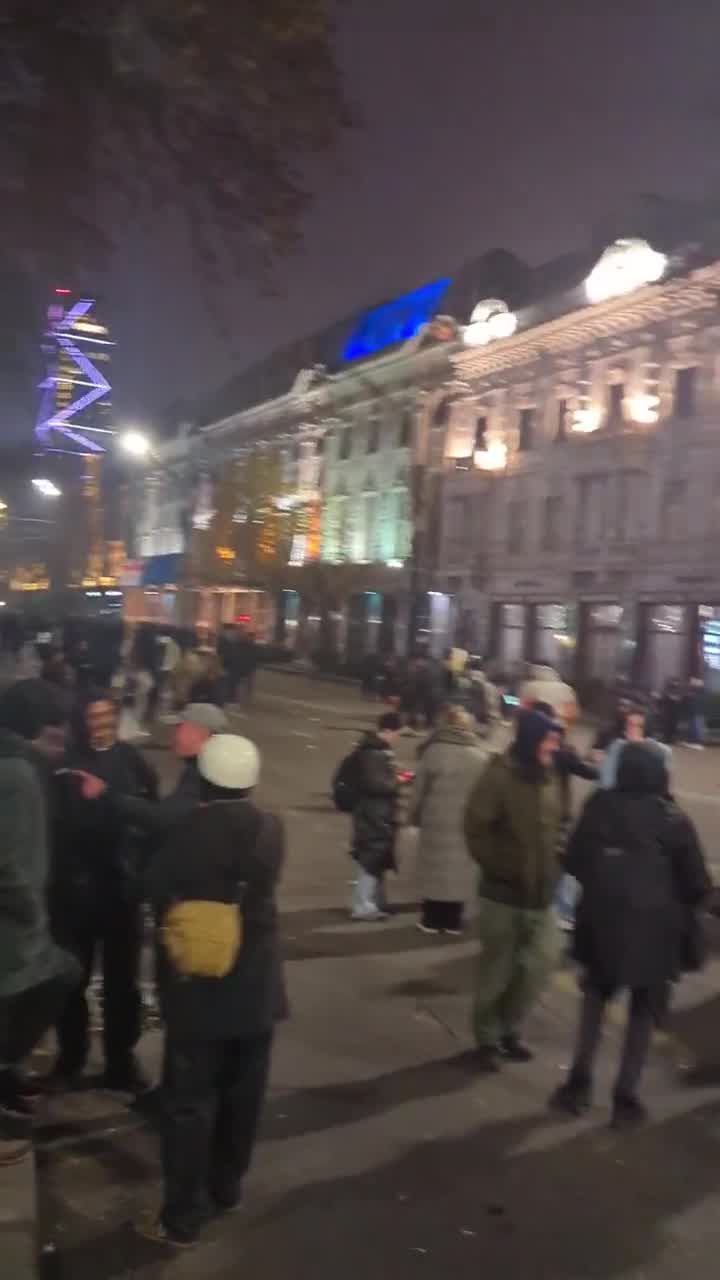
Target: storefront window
{"points": [[555, 638], [667, 644], [710, 646], [604, 641], [512, 634]]}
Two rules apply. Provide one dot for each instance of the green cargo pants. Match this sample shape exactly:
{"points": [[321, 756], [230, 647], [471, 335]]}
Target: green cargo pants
{"points": [[519, 950]]}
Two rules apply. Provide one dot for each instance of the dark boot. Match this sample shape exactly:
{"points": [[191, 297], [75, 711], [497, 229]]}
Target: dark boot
{"points": [[574, 1097], [512, 1048], [628, 1114]]}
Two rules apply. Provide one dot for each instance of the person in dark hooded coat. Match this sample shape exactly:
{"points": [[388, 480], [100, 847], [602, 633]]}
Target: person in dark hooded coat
{"points": [[512, 821], [642, 873], [374, 819]]}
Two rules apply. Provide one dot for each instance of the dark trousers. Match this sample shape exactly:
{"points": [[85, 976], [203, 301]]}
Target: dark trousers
{"points": [[636, 1046], [115, 930], [213, 1092], [26, 1017], [442, 915]]}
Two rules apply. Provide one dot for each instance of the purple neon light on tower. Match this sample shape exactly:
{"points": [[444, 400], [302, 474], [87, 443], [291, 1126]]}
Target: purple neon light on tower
{"points": [[74, 413]]}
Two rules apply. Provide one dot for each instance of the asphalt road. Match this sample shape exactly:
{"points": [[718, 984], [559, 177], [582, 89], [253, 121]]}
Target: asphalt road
{"points": [[382, 1155]]}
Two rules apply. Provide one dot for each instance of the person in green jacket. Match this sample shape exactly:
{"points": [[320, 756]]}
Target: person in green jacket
{"points": [[512, 821]]}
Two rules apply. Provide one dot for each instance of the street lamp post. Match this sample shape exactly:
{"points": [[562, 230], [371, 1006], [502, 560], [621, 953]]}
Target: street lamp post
{"points": [[46, 487], [136, 444]]}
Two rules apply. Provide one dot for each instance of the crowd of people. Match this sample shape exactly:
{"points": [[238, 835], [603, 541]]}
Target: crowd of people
{"points": [[628, 879], [88, 847]]}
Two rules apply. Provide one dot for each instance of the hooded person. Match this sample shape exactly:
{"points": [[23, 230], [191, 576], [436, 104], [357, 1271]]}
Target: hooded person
{"points": [[35, 975], [198, 722], [374, 817], [642, 874], [569, 764], [219, 1030], [512, 823]]}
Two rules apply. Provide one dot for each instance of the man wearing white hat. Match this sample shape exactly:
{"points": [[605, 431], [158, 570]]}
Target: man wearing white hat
{"points": [[198, 722], [223, 861]]}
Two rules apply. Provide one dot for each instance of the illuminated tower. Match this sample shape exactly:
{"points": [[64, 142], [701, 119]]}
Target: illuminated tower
{"points": [[74, 419]]}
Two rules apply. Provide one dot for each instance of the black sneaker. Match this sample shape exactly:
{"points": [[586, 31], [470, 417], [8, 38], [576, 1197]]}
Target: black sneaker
{"points": [[62, 1080], [15, 1126], [23, 1086], [125, 1077], [512, 1048], [13, 1101], [226, 1201], [487, 1059], [574, 1098], [151, 1227], [628, 1114]]}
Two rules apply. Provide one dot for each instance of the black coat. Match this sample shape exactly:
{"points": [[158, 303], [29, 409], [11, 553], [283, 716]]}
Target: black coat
{"points": [[375, 814], [642, 872], [159, 816], [220, 847], [97, 854]]}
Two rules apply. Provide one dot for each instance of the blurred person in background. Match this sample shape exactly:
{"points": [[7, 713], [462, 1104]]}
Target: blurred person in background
{"points": [[512, 821], [642, 874], [219, 1029], [375, 817], [95, 903], [449, 766], [198, 722], [36, 976]]}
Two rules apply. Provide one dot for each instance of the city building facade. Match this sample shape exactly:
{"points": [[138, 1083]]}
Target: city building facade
{"points": [[522, 462], [581, 477], [308, 510]]}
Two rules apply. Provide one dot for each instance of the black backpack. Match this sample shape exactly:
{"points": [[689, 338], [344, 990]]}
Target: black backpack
{"points": [[347, 781]]}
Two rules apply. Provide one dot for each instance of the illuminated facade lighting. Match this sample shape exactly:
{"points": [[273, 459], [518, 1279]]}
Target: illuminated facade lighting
{"points": [[490, 321], [625, 266], [67, 418], [494, 458], [644, 409], [586, 420]]}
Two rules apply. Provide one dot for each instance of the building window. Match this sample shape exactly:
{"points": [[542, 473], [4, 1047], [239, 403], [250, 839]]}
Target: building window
{"points": [[526, 426], [616, 401], [373, 436], [406, 429], [516, 525], [685, 392], [591, 512], [675, 510], [552, 530], [631, 499], [345, 444], [563, 418], [480, 435]]}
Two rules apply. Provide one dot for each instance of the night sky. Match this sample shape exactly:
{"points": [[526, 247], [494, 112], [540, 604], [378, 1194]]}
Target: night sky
{"points": [[484, 124]]}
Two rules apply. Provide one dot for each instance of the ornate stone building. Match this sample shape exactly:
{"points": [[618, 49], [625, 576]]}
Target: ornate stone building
{"points": [[581, 476], [311, 489]]}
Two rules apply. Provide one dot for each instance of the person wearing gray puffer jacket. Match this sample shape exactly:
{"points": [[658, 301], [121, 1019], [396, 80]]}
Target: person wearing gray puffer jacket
{"points": [[450, 765], [35, 975]]}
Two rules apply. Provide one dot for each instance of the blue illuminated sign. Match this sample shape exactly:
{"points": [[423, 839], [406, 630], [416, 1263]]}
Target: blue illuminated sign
{"points": [[395, 321]]}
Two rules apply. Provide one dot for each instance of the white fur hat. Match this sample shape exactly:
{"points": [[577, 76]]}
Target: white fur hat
{"points": [[229, 761]]}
